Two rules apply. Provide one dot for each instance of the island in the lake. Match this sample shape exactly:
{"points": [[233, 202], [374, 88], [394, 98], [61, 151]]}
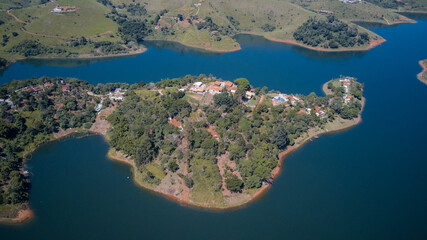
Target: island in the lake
{"points": [[105, 28], [200, 140], [422, 76]]}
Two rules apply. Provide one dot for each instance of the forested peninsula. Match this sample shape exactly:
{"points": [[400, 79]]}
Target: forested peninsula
{"points": [[200, 140]]}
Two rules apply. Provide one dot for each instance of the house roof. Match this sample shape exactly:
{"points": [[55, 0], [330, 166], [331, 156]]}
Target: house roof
{"points": [[232, 89], [228, 84], [196, 89], [216, 88], [65, 87], [218, 83], [48, 84], [213, 133], [175, 123], [37, 88]]}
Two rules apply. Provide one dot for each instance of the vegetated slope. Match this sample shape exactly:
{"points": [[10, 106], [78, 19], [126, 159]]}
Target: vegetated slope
{"points": [[330, 33], [272, 18], [105, 27], [359, 12], [7, 4], [414, 6], [87, 21], [210, 24], [84, 31]]}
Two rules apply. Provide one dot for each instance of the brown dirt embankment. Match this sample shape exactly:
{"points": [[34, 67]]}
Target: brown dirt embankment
{"points": [[18, 215], [422, 76], [372, 43]]}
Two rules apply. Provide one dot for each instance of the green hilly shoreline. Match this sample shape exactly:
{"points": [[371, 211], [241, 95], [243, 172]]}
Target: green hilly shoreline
{"points": [[100, 28]]}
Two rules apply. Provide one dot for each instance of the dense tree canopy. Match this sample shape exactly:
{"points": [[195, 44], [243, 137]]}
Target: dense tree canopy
{"points": [[330, 33]]}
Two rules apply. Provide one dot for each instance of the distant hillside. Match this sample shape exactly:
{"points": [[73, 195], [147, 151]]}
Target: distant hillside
{"points": [[92, 28], [366, 11]]}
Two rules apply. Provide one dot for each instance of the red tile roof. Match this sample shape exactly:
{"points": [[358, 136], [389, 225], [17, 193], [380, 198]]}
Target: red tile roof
{"points": [[175, 123], [228, 84], [213, 133], [216, 88], [37, 88], [196, 89], [65, 88], [232, 88]]}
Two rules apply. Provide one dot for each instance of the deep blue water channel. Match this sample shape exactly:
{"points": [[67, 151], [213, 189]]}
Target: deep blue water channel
{"points": [[369, 182]]}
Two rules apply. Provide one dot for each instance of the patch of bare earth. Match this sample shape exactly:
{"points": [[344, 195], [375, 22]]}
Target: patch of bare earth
{"points": [[63, 133], [101, 124], [207, 99]]}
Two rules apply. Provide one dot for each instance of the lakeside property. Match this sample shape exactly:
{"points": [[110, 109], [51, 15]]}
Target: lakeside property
{"points": [[214, 143], [199, 90]]}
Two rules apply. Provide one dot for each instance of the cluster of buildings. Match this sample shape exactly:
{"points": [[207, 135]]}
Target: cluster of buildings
{"points": [[317, 109], [37, 89], [284, 98], [117, 95], [346, 83], [7, 101], [214, 88], [64, 9], [351, 1], [217, 87]]}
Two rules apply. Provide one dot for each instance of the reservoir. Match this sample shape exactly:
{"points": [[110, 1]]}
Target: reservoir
{"points": [[368, 182]]}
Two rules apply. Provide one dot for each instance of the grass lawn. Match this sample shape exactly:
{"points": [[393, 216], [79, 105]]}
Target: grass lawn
{"points": [[54, 30], [188, 98], [155, 169], [206, 175], [147, 93], [88, 20]]}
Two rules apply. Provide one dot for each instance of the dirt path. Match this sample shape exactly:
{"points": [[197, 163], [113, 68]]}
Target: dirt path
{"points": [[260, 101], [16, 18], [386, 21], [44, 35], [100, 35]]}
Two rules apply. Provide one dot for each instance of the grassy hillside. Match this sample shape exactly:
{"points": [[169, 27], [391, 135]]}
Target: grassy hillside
{"points": [[7, 4], [59, 31], [361, 12], [87, 21], [252, 15], [103, 27]]}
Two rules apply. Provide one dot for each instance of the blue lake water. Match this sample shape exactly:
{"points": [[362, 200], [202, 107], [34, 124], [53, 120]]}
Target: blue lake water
{"points": [[369, 182]]}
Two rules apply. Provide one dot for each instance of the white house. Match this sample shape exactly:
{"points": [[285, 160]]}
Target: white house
{"points": [[198, 84]]}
